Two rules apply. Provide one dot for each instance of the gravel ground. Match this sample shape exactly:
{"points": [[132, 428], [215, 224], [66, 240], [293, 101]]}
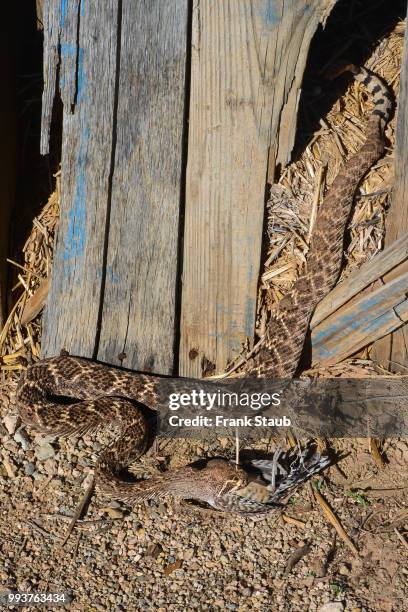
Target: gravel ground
{"points": [[178, 556]]}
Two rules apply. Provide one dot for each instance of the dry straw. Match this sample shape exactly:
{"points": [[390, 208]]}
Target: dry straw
{"points": [[20, 337]]}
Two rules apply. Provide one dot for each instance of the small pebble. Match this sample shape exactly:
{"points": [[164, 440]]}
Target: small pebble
{"points": [[29, 468], [332, 606], [21, 438], [113, 513], [115, 504], [50, 466], [188, 554], [86, 483], [44, 451], [10, 423]]}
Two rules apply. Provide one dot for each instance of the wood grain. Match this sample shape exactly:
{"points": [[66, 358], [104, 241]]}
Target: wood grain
{"points": [[114, 285], [373, 270], [139, 309], [52, 30], [392, 351], [248, 61], [87, 82], [361, 322]]}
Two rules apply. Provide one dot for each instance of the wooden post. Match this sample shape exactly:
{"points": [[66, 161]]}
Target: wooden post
{"points": [[87, 83], [392, 351], [122, 83], [139, 305], [360, 322], [248, 60]]}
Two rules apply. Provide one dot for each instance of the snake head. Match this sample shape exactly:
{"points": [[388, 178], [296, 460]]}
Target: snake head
{"points": [[231, 485], [227, 475]]}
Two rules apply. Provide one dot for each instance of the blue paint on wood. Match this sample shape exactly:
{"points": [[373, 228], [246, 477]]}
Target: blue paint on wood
{"points": [[402, 310], [75, 238], [111, 275], [368, 309], [231, 337], [270, 15], [233, 343], [372, 317], [218, 335], [68, 51], [249, 245], [249, 317], [386, 323], [80, 76], [352, 321], [63, 12]]}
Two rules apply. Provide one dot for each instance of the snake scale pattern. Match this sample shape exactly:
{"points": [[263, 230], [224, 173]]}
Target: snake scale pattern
{"points": [[103, 396]]}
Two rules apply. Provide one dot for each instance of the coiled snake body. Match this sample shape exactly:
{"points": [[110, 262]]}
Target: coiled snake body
{"points": [[105, 396]]}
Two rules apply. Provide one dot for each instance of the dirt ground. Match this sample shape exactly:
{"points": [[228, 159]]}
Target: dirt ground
{"points": [[176, 556]]}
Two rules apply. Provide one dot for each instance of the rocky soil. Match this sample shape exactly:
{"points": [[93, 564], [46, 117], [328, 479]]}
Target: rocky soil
{"points": [[178, 556]]}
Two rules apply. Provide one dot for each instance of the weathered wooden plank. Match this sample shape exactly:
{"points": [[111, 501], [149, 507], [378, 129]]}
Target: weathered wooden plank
{"points": [[39, 6], [385, 261], [88, 67], [71, 54], [393, 350], [361, 322], [139, 309], [52, 28], [248, 60]]}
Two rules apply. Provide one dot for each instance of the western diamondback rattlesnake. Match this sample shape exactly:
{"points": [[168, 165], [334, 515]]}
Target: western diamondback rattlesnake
{"points": [[105, 395]]}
